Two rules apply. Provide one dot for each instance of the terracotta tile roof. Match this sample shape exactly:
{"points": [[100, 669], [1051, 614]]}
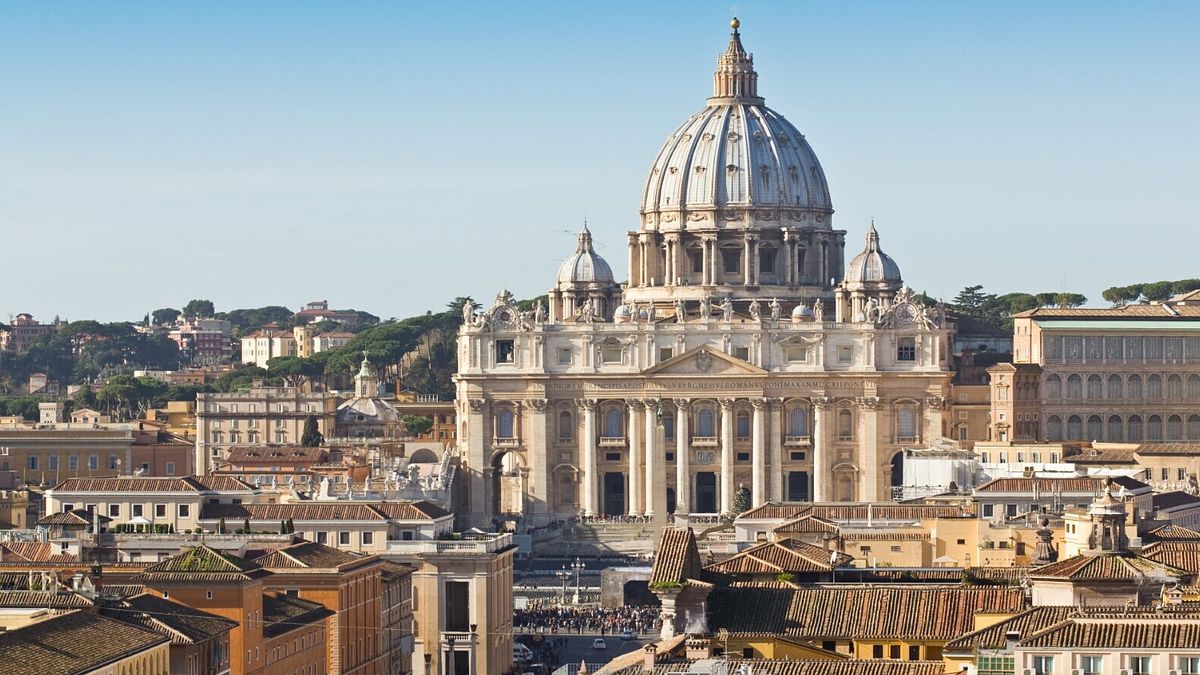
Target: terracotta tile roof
{"points": [[1107, 567], [1181, 554], [1051, 485], [676, 559], [1172, 500], [1104, 455], [633, 659], [32, 551], [306, 554], [937, 575], [1139, 311], [1172, 532], [1125, 633], [48, 599], [219, 483], [798, 667], [283, 613], [140, 484], [422, 510], [894, 535], [76, 642], [841, 512], [882, 611], [276, 455], [393, 571], [294, 511], [74, 518], [775, 557], [182, 624], [807, 524], [1155, 449], [201, 563], [996, 636]]}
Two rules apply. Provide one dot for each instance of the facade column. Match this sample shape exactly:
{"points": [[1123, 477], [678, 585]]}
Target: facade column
{"points": [[590, 482], [868, 425], [478, 483], [775, 463], [789, 275], [727, 455], [822, 427], [683, 450], [747, 261], [539, 467], [654, 460], [706, 250], [633, 259], [634, 438], [758, 459]]}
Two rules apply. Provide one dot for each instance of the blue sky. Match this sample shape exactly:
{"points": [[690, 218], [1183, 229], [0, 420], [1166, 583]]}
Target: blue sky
{"points": [[390, 156]]}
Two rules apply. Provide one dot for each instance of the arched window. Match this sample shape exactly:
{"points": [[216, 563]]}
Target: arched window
{"points": [[1154, 428], [1135, 428], [614, 423], [1074, 428], [1053, 388], [766, 260], [1074, 387], [743, 425], [1174, 387], [1095, 428], [906, 422], [1114, 386], [845, 424], [504, 424], [669, 426], [1193, 428], [1095, 387], [1154, 387], [798, 422], [566, 427], [1174, 428], [1193, 386], [1054, 428], [1114, 429], [1135, 387], [705, 423]]}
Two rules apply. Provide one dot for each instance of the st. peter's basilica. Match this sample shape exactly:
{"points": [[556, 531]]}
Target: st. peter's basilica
{"points": [[741, 353]]}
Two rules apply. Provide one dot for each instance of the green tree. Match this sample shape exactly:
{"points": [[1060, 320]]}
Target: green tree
{"points": [[1070, 299], [164, 316], [202, 309], [1122, 295], [311, 438], [971, 300], [417, 424], [295, 370], [1046, 299], [1013, 303], [1157, 291], [1185, 286], [741, 501]]}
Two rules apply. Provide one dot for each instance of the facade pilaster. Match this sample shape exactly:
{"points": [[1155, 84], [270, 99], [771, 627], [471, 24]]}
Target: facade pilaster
{"points": [[653, 454], [634, 438], [758, 459], [540, 479], [727, 482], [479, 490], [633, 259], [822, 430], [868, 425], [589, 484], [775, 461], [683, 451]]}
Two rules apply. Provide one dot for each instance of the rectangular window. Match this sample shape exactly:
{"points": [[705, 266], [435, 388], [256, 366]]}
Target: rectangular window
{"points": [[996, 665], [343, 538], [137, 510], [114, 510], [564, 356], [170, 468], [1189, 665], [796, 354], [1091, 665], [742, 353], [733, 260], [766, 260], [665, 354], [845, 354], [914, 652], [988, 510], [1140, 665], [798, 456], [33, 463], [93, 462], [505, 352], [610, 355], [185, 510], [160, 510], [322, 537], [743, 457], [906, 349], [894, 651], [612, 456], [368, 538], [52, 464], [877, 651]]}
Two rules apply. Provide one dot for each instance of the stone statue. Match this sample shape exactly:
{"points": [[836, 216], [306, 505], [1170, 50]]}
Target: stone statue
{"points": [[873, 310], [468, 313], [776, 309], [650, 312], [680, 312], [818, 310], [755, 311], [705, 308], [727, 309], [539, 313], [587, 312]]}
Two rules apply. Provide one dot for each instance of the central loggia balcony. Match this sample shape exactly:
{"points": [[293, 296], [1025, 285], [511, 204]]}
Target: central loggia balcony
{"points": [[612, 441], [792, 441], [704, 441]]}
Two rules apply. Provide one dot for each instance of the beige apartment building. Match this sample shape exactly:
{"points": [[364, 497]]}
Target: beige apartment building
{"points": [[260, 416], [1123, 374]]}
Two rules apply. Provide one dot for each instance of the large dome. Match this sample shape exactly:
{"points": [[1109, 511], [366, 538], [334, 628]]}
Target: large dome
{"points": [[736, 156]]}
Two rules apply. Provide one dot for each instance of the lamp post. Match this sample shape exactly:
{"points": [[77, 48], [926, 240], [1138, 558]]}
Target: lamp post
{"points": [[564, 575], [450, 655], [428, 663], [577, 566]]}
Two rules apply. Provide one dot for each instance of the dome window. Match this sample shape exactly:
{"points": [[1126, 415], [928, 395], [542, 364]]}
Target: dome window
{"points": [[731, 168], [733, 137]]}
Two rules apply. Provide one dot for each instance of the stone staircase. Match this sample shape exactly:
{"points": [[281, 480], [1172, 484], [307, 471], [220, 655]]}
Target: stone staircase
{"points": [[603, 539]]}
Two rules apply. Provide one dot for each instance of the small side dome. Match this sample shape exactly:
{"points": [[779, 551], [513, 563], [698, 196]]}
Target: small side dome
{"points": [[802, 312], [623, 314], [872, 266], [585, 266]]}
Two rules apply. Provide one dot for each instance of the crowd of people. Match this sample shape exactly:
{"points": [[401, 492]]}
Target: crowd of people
{"points": [[599, 620]]}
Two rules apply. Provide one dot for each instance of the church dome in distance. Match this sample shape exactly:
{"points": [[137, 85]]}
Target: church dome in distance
{"points": [[872, 266], [585, 266]]}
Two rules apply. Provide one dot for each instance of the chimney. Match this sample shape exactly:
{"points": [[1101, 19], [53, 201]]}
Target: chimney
{"points": [[648, 654], [696, 648], [1010, 640]]}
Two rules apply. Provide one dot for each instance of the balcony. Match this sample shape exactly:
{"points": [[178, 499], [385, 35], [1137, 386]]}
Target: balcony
{"points": [[907, 439], [612, 441], [797, 440], [505, 442], [845, 437], [476, 546], [704, 441]]}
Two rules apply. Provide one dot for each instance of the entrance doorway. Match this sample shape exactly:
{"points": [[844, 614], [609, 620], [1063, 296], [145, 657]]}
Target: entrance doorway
{"points": [[706, 492], [797, 490], [614, 494]]}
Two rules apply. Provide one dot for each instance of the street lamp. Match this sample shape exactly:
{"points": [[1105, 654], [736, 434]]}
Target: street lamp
{"points": [[450, 661], [564, 575], [428, 663], [577, 566]]}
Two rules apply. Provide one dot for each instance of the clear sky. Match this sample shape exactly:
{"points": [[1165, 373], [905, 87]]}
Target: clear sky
{"points": [[390, 156]]}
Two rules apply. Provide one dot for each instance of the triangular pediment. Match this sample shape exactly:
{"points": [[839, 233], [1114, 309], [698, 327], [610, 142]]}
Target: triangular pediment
{"points": [[703, 361]]}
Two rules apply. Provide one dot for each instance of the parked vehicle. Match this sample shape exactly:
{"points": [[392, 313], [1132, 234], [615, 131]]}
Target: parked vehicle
{"points": [[599, 643]]}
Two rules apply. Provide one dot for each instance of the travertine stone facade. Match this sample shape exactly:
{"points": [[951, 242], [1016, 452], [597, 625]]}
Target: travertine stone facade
{"points": [[742, 352]]}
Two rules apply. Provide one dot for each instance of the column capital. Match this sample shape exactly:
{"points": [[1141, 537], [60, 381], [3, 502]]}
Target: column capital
{"points": [[683, 404], [635, 403], [935, 402], [868, 402], [774, 402], [759, 403], [538, 404], [727, 403], [476, 404], [652, 403], [586, 403], [823, 402]]}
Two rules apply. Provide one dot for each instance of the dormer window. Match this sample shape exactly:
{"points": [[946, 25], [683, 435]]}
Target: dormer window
{"points": [[505, 352]]}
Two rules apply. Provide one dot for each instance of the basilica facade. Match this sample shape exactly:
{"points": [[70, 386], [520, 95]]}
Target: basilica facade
{"points": [[741, 356]]}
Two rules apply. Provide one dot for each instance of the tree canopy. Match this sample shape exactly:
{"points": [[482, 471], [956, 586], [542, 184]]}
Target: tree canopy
{"points": [[200, 309]]}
